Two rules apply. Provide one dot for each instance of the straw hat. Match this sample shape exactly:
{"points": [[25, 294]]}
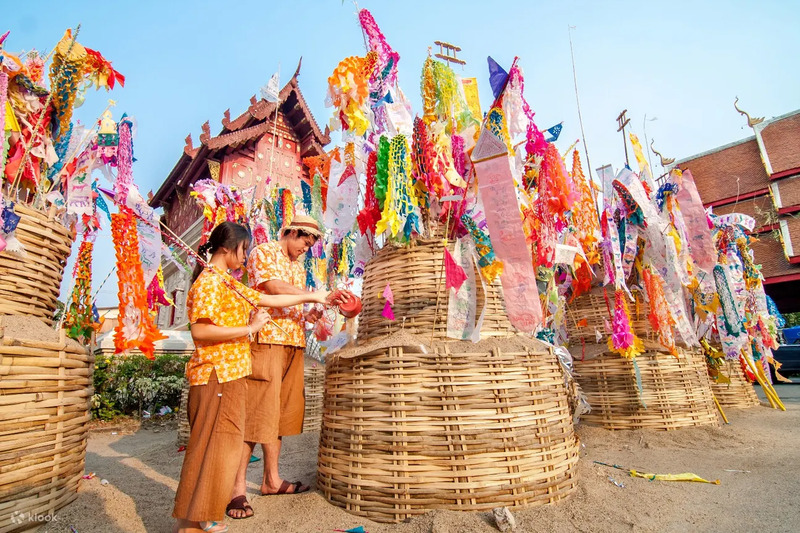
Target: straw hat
{"points": [[303, 223]]}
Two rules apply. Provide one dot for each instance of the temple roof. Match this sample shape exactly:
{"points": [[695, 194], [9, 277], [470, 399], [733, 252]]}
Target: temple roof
{"points": [[256, 120]]}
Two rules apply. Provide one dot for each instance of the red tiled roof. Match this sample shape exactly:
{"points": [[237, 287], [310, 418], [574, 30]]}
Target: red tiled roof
{"points": [[760, 208], [781, 138], [789, 190], [768, 252], [733, 170]]}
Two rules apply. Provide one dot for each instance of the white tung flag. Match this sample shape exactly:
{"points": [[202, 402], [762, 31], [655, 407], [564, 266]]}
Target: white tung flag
{"points": [[270, 91]]}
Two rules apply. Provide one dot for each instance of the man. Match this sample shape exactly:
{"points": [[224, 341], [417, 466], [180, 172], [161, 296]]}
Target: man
{"points": [[275, 396]]}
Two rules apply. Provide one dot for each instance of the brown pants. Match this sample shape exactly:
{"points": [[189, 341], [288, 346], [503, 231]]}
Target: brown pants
{"points": [[216, 417], [275, 393]]}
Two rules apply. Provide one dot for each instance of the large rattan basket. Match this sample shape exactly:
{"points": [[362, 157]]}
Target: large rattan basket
{"points": [[591, 313], [676, 392], [45, 391], [739, 392], [462, 426], [414, 274], [30, 284]]}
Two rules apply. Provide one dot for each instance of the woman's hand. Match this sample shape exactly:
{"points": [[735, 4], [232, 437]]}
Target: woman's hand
{"points": [[259, 319], [321, 296]]}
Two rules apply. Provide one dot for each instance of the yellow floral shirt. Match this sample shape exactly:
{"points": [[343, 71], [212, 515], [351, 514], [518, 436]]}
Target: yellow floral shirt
{"points": [[211, 298], [268, 262]]}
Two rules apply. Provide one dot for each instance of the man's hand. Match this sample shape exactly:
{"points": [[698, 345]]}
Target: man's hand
{"points": [[313, 315]]}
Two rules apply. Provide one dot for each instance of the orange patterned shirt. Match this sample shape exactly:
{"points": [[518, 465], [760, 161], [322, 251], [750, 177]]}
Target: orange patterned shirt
{"points": [[212, 299], [268, 262]]}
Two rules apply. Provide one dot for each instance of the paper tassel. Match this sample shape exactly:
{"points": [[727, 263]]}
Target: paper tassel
{"points": [[69, 58], [369, 216], [135, 328], [623, 340], [78, 321]]}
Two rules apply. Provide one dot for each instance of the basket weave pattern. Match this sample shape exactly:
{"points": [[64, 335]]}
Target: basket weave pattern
{"points": [[30, 285], [415, 276], [739, 392], [45, 388], [675, 391], [590, 313], [314, 381], [404, 432]]}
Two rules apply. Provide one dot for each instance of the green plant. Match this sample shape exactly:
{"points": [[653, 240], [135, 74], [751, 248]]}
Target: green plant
{"points": [[792, 319], [127, 384]]}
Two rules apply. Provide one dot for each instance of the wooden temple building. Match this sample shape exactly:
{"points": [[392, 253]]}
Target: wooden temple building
{"points": [[760, 177], [239, 155]]}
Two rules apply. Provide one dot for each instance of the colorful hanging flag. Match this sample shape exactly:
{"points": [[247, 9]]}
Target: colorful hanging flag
{"points": [[470, 86], [554, 132], [497, 189], [387, 311], [701, 244], [388, 295], [454, 274], [497, 77], [271, 91]]}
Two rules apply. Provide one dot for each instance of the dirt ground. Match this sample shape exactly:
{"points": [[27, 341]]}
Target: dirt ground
{"points": [[755, 457]]}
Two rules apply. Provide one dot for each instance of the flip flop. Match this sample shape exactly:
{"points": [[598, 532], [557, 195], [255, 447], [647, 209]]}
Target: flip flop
{"points": [[211, 525], [239, 503], [297, 487]]}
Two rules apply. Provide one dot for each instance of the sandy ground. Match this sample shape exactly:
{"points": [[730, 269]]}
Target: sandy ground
{"points": [[755, 457]]}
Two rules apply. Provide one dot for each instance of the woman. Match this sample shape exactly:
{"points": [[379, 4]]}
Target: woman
{"points": [[219, 311]]}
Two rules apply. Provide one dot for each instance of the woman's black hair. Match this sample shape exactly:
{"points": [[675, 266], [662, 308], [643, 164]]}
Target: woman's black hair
{"points": [[228, 235]]}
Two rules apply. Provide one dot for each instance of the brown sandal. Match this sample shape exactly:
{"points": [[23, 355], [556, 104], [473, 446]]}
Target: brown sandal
{"points": [[297, 488], [239, 503]]}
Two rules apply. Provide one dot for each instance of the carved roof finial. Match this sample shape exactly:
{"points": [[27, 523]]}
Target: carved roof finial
{"points": [[297, 71], [226, 118], [665, 161], [189, 148], [750, 120], [206, 127]]}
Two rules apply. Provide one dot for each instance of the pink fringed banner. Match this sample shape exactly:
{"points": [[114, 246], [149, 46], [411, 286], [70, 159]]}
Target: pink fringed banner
{"points": [[694, 216], [496, 186]]}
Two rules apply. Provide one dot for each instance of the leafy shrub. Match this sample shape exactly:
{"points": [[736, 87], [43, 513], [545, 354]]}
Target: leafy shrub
{"points": [[128, 384]]}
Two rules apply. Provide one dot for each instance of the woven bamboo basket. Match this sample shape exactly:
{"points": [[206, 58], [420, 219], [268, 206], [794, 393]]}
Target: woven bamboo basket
{"points": [[462, 426], [589, 314], [676, 392], [45, 391], [314, 381], [739, 392], [417, 282], [30, 285]]}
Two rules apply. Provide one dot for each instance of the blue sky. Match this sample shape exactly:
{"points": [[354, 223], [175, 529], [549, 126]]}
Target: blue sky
{"points": [[682, 62]]}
